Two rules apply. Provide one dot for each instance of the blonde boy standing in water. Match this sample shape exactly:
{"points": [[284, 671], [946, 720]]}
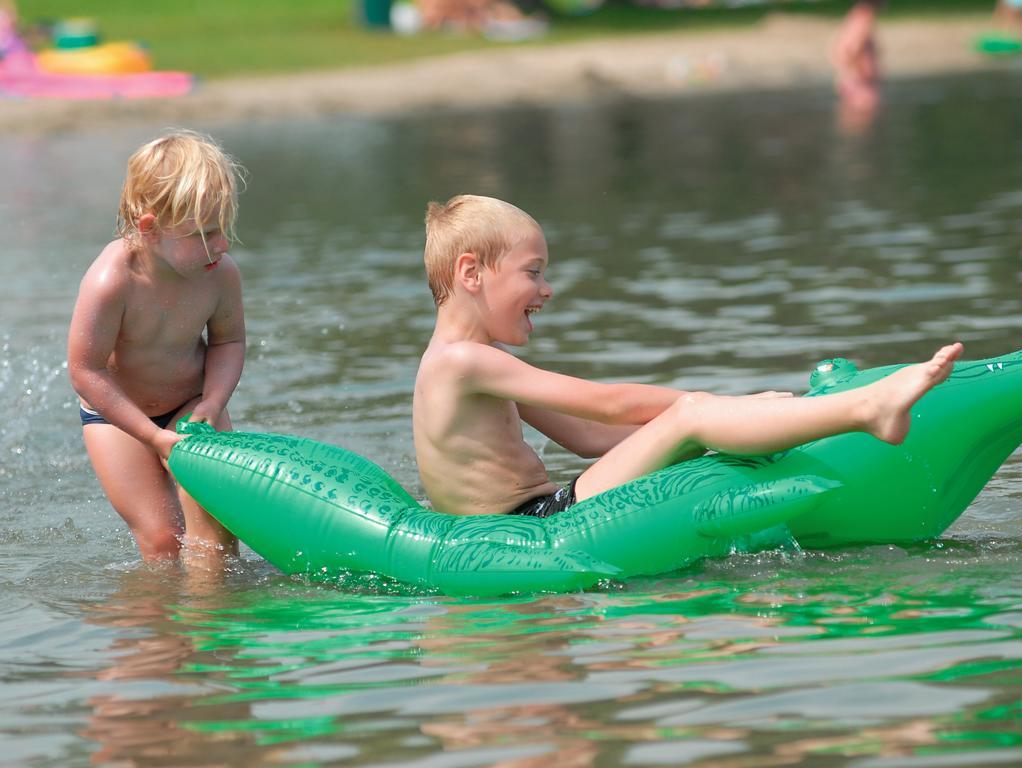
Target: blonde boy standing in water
{"points": [[137, 355], [486, 262]]}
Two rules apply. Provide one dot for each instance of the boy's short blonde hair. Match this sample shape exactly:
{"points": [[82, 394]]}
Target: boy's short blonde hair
{"points": [[180, 175], [485, 226]]}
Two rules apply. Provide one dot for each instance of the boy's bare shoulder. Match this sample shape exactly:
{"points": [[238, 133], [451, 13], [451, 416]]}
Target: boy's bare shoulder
{"points": [[114, 252], [110, 271], [228, 267], [227, 273], [461, 356]]}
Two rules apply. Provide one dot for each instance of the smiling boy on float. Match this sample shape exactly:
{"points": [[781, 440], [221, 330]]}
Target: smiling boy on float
{"points": [[158, 331], [486, 262]]}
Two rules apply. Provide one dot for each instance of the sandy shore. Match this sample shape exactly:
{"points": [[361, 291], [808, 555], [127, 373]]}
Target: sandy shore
{"points": [[781, 52]]}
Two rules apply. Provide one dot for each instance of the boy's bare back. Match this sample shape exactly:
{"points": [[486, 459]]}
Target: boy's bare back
{"points": [[471, 396], [472, 455]]}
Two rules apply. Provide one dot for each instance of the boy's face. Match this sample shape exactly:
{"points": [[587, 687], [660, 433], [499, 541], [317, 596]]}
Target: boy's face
{"points": [[516, 288], [189, 249]]}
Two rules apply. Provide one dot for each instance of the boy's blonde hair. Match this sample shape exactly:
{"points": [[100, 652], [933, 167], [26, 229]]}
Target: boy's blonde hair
{"points": [[485, 226], [180, 175]]}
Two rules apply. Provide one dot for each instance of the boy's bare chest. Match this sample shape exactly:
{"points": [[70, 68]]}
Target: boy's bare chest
{"points": [[165, 316]]}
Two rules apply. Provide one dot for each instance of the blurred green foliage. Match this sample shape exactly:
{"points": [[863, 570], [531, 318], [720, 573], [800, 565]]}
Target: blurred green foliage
{"points": [[218, 38]]}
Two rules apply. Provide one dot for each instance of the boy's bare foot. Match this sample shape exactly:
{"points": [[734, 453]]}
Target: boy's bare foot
{"points": [[890, 399]]}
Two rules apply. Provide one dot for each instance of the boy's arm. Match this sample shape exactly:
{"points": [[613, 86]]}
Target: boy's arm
{"points": [[225, 350], [583, 437], [95, 324], [484, 369]]}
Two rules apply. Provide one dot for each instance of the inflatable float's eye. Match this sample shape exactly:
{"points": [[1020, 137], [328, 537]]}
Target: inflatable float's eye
{"points": [[827, 373]]}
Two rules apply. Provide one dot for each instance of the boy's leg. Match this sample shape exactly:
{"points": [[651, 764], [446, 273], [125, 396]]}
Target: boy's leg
{"points": [[138, 487], [203, 535], [756, 425]]}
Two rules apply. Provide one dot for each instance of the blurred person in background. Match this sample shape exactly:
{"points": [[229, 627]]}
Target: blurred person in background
{"points": [[856, 58], [8, 26], [1008, 15]]}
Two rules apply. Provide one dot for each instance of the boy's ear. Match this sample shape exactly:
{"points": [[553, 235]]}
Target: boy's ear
{"points": [[468, 271], [147, 224]]}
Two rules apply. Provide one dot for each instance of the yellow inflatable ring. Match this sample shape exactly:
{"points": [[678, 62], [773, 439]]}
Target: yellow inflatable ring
{"points": [[107, 59]]}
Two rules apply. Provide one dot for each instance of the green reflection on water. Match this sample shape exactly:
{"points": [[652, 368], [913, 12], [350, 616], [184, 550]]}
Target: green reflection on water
{"points": [[758, 654], [298, 642]]}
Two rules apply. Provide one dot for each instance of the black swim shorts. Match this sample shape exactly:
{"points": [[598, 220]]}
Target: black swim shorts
{"points": [[90, 416], [551, 504]]}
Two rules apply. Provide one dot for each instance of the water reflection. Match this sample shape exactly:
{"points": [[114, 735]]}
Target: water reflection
{"points": [[142, 718], [833, 659]]}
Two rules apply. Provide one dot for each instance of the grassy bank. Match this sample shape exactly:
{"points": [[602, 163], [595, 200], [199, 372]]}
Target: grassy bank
{"points": [[237, 37]]}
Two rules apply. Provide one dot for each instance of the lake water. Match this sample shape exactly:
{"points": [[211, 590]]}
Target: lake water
{"points": [[722, 243]]}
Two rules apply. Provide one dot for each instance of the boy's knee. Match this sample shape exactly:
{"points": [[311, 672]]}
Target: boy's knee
{"points": [[690, 412], [158, 544], [690, 403]]}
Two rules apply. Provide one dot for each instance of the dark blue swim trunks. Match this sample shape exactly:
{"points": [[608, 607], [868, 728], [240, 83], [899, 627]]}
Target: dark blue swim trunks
{"points": [[551, 504], [93, 417]]}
